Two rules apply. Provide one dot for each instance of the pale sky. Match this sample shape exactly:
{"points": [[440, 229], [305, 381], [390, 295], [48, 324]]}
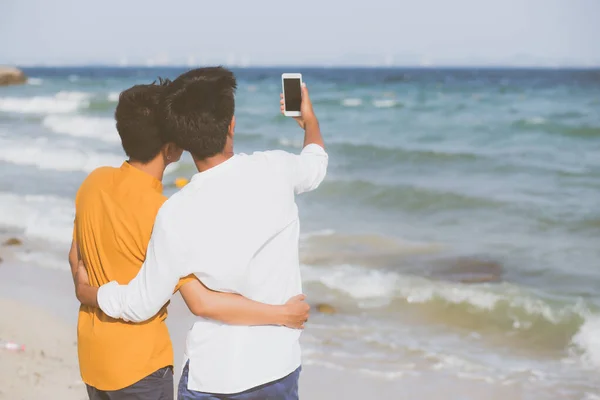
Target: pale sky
{"points": [[301, 32]]}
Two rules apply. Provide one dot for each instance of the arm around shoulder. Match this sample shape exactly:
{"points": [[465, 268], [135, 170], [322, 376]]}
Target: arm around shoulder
{"points": [[153, 286], [235, 309]]}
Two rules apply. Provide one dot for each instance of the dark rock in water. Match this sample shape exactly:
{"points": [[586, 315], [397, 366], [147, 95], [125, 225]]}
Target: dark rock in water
{"points": [[326, 309], [469, 270], [11, 76], [13, 242]]}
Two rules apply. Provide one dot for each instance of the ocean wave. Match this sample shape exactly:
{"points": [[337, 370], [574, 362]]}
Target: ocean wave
{"points": [[80, 126], [62, 102], [39, 153], [41, 217], [295, 143], [386, 103], [549, 126], [351, 102], [102, 102], [330, 248], [371, 287], [394, 154], [587, 340], [48, 259], [113, 97], [567, 115], [35, 81], [317, 234], [501, 307], [401, 197]]}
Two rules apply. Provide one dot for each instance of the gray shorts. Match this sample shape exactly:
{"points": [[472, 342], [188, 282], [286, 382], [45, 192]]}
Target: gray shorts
{"points": [[156, 386]]}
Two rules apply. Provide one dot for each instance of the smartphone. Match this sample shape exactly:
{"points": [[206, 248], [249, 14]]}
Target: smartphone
{"points": [[292, 94]]}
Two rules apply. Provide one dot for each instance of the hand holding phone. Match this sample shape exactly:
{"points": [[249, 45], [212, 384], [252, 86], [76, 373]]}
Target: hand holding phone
{"points": [[291, 106], [295, 102]]}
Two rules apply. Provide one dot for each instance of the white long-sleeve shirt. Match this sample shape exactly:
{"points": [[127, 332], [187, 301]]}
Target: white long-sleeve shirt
{"points": [[235, 226]]}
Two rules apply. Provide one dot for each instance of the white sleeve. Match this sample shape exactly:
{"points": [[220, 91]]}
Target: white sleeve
{"points": [[153, 286], [307, 170]]}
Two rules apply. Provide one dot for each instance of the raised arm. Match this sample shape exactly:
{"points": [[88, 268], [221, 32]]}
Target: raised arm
{"points": [[307, 170], [234, 309]]}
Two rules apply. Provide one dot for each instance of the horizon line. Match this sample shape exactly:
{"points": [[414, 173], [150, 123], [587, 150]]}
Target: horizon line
{"points": [[315, 66]]}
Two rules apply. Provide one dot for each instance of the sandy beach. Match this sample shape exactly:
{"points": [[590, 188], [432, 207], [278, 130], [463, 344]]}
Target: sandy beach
{"points": [[39, 310], [48, 366]]}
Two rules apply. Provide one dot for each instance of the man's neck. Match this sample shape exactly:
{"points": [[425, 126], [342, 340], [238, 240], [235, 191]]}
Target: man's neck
{"points": [[211, 162], [154, 168]]}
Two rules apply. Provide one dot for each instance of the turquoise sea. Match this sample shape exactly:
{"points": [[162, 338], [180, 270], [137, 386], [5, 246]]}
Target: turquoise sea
{"points": [[457, 231]]}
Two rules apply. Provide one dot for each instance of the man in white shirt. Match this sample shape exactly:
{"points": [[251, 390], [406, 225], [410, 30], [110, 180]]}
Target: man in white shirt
{"points": [[236, 227]]}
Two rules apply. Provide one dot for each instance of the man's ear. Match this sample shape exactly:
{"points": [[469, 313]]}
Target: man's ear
{"points": [[170, 153], [231, 127]]}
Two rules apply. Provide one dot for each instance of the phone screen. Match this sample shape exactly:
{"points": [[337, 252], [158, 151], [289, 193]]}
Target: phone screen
{"points": [[292, 93]]}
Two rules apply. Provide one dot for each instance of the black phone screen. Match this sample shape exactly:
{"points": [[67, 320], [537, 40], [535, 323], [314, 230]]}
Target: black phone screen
{"points": [[292, 93]]}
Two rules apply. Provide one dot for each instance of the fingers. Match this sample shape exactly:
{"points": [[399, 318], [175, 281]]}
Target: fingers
{"points": [[299, 297], [304, 91]]}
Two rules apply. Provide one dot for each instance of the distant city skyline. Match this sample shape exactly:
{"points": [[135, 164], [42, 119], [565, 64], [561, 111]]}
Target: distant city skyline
{"points": [[513, 33]]}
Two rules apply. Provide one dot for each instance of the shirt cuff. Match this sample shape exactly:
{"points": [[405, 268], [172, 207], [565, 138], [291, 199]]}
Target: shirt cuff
{"points": [[109, 299], [313, 148]]}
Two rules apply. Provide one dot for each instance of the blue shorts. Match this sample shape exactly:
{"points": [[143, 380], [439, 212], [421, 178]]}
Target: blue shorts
{"points": [[285, 388], [156, 386]]}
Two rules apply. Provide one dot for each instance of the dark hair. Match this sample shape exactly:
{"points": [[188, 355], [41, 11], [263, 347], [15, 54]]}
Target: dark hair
{"points": [[197, 108], [137, 121]]}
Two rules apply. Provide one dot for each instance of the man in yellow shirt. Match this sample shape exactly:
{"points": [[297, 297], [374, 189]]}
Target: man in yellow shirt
{"points": [[115, 212]]}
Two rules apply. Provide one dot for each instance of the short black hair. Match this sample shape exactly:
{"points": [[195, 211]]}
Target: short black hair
{"points": [[137, 121], [197, 108]]}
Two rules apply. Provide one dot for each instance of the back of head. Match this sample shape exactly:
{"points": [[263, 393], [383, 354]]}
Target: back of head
{"points": [[197, 109], [137, 121]]}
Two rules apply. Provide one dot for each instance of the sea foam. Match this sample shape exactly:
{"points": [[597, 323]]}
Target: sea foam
{"points": [[587, 340], [41, 217], [384, 103], [352, 102], [35, 81], [113, 97], [519, 308], [39, 153], [80, 126], [61, 102]]}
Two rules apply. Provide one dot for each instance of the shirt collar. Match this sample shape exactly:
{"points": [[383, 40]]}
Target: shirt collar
{"points": [[141, 177], [210, 171]]}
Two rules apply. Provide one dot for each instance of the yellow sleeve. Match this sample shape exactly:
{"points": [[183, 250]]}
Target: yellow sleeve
{"points": [[183, 281]]}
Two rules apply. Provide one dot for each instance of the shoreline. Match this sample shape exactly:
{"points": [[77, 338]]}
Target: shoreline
{"points": [[49, 363]]}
